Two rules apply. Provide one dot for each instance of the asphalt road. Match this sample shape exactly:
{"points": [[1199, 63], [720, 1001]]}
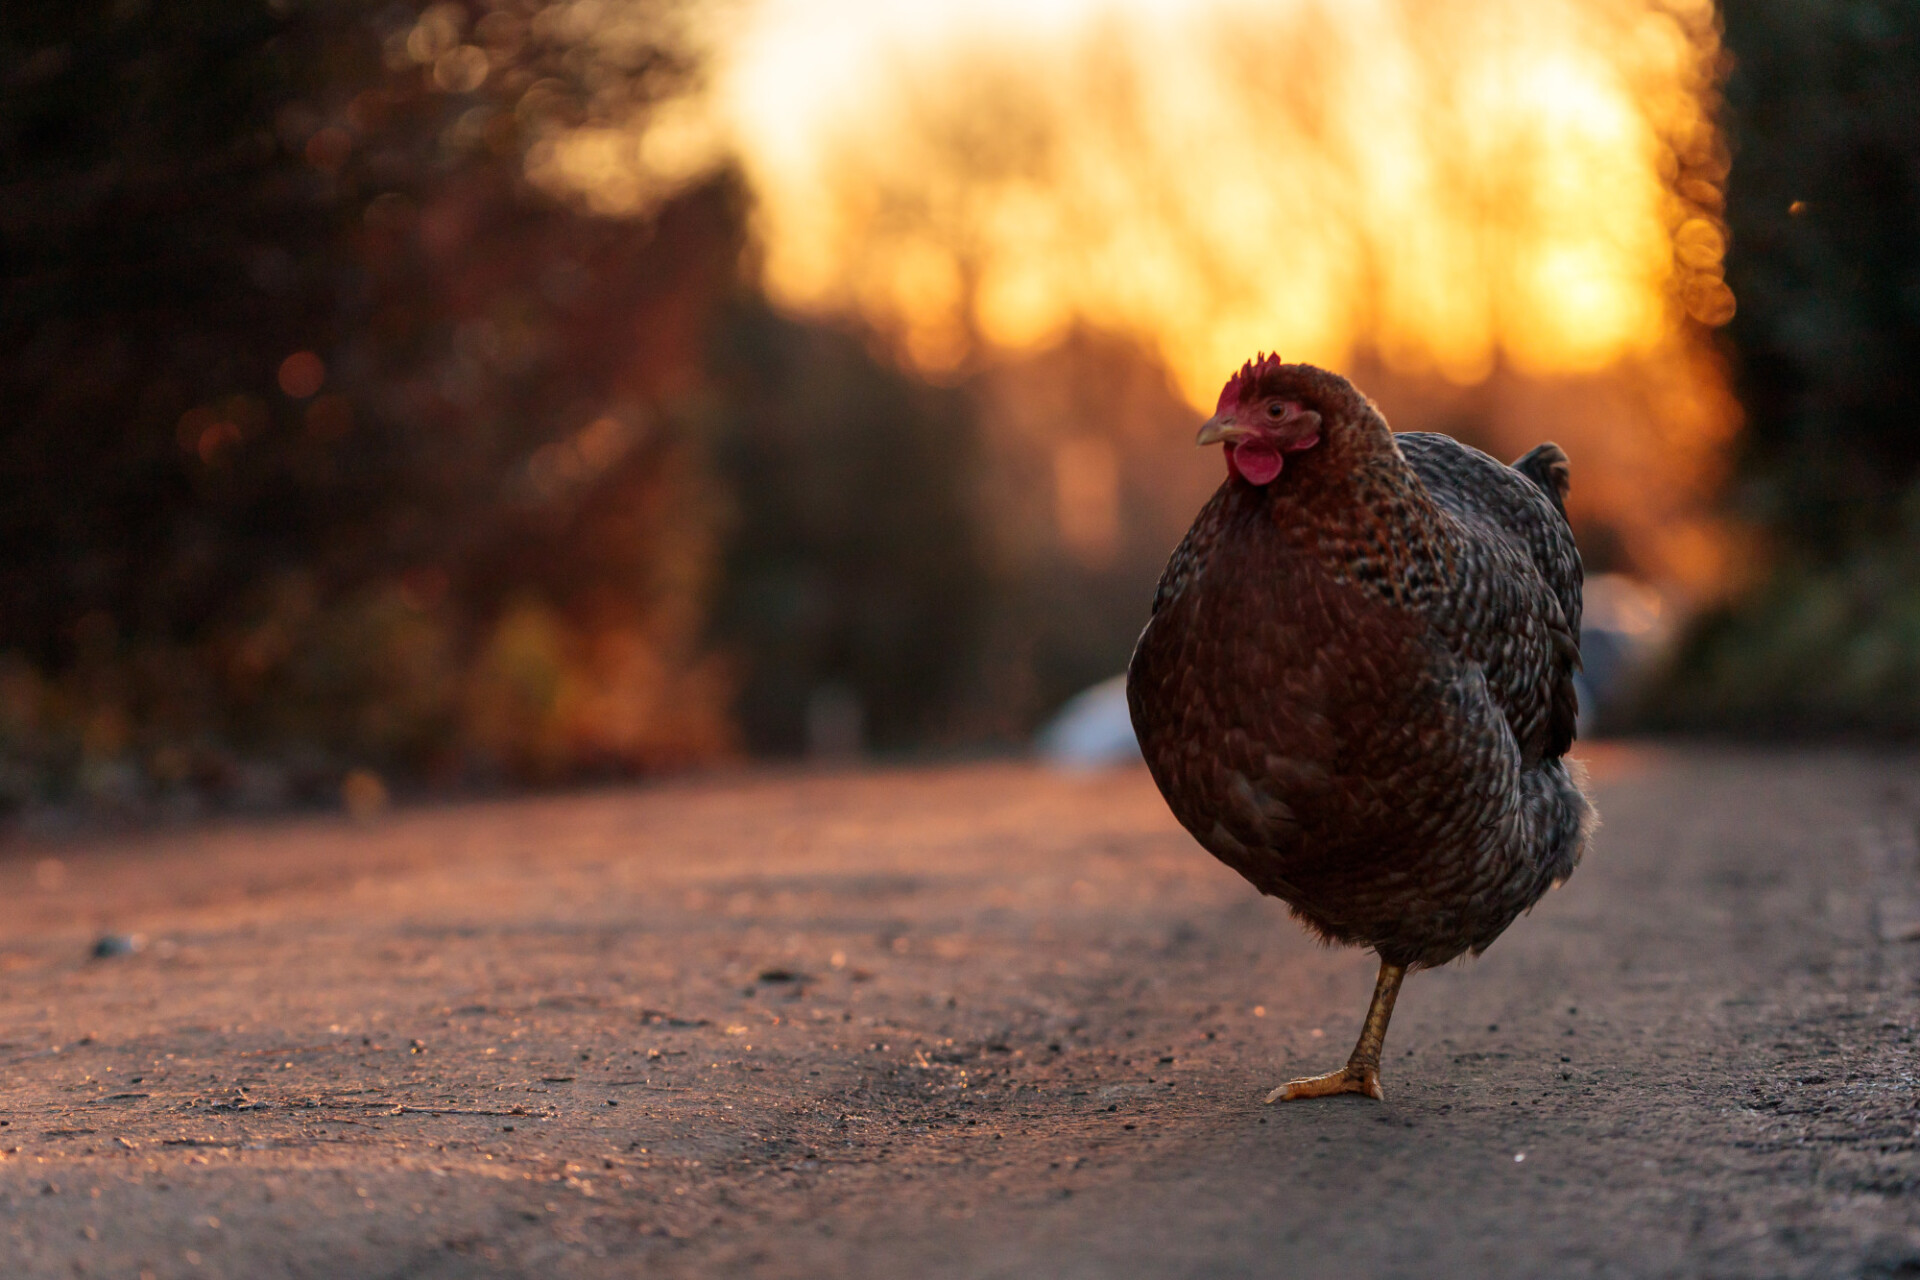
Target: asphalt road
{"points": [[984, 1021]]}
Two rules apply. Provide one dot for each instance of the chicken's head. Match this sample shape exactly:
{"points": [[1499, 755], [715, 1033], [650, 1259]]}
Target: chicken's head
{"points": [[1261, 418]]}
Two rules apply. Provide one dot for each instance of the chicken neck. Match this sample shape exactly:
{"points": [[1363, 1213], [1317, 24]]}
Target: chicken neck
{"points": [[1362, 1072]]}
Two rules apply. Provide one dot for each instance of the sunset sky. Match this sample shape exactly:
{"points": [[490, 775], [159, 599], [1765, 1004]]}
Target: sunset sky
{"points": [[1450, 190]]}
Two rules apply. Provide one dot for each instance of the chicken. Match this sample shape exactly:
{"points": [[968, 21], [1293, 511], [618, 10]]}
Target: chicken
{"points": [[1356, 687]]}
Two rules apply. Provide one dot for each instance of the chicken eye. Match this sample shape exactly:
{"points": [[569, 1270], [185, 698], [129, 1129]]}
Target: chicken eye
{"points": [[1277, 409]]}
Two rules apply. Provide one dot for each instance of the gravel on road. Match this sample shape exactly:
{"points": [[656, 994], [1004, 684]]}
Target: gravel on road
{"points": [[971, 1021]]}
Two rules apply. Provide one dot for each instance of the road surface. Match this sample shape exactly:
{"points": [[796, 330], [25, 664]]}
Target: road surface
{"points": [[980, 1021]]}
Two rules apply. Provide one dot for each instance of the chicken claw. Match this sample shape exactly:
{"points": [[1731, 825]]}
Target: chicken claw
{"points": [[1360, 1078], [1362, 1072]]}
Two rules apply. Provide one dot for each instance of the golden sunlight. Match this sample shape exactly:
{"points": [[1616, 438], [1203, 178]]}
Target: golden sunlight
{"points": [[1448, 184], [1452, 194]]}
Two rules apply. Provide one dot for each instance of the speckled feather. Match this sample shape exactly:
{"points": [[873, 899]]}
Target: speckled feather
{"points": [[1356, 688]]}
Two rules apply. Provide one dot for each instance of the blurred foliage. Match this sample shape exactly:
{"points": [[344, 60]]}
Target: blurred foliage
{"points": [[335, 445], [1832, 648], [855, 571], [1824, 205], [1824, 208]]}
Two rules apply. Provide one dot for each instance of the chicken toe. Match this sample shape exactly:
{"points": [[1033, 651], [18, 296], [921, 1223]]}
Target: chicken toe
{"points": [[1352, 1078], [1362, 1072]]}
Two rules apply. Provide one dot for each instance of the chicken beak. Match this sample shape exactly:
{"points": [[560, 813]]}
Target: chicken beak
{"points": [[1221, 429]]}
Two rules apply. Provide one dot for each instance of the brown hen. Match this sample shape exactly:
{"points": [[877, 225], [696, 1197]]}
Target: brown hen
{"points": [[1356, 688]]}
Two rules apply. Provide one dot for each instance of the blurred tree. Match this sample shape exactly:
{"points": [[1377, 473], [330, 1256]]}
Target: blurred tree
{"points": [[855, 575], [330, 441], [335, 441], [1824, 208]]}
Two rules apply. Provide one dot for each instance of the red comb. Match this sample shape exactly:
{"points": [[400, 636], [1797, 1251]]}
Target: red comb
{"points": [[1250, 373]]}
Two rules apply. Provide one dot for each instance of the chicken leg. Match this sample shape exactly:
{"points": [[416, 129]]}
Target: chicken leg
{"points": [[1362, 1072]]}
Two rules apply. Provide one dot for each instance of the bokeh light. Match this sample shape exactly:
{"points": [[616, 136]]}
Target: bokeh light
{"points": [[1448, 193], [302, 374], [1452, 184]]}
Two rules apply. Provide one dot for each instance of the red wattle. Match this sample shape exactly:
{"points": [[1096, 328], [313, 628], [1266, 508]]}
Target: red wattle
{"points": [[1256, 461]]}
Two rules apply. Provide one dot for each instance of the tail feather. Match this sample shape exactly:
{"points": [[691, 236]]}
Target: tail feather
{"points": [[1557, 821], [1546, 465], [1566, 817]]}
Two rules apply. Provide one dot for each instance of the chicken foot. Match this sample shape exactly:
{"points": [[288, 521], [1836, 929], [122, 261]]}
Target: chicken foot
{"points": [[1362, 1072]]}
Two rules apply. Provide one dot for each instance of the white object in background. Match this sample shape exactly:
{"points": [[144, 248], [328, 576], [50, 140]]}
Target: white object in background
{"points": [[1093, 731], [1625, 628]]}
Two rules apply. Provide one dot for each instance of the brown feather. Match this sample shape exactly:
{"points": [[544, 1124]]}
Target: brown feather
{"points": [[1356, 686]]}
